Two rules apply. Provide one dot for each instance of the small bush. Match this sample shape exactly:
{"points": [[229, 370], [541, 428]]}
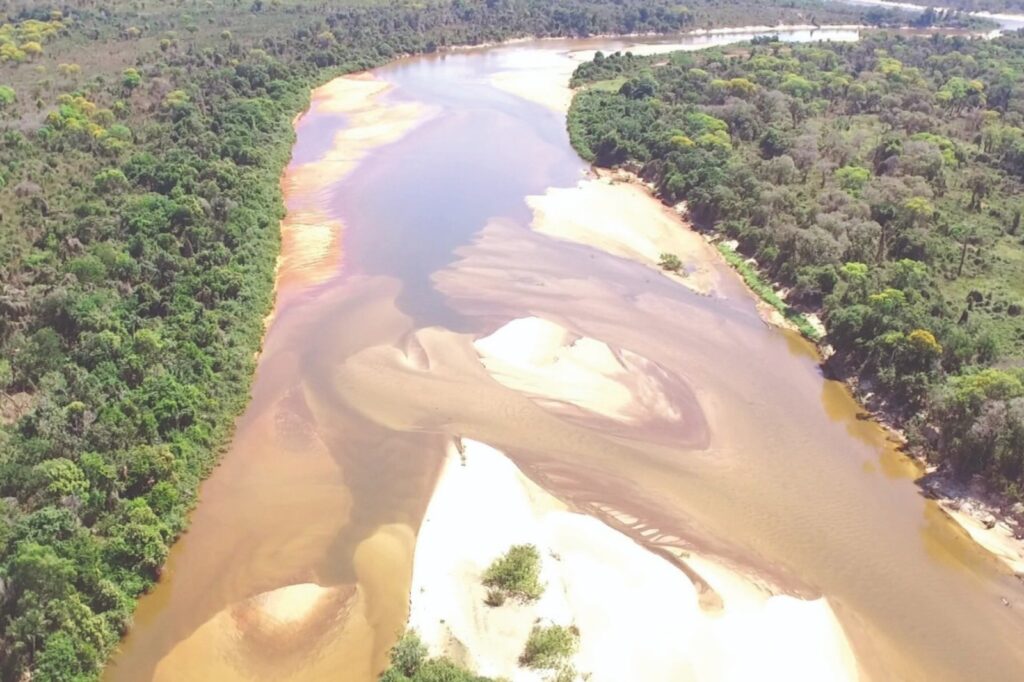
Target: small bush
{"points": [[549, 646], [408, 654], [495, 597], [409, 663], [670, 262], [517, 573]]}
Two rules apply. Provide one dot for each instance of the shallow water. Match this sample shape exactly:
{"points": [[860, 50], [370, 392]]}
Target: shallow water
{"points": [[366, 376]]}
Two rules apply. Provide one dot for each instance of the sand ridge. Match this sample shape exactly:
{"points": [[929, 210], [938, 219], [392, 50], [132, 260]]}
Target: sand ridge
{"points": [[638, 616], [541, 358]]}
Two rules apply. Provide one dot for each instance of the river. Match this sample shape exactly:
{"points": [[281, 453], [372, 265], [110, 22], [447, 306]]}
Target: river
{"points": [[408, 236]]}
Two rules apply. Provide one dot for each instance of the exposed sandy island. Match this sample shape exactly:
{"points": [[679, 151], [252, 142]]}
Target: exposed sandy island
{"points": [[292, 603], [638, 616], [310, 233], [623, 219], [542, 359]]}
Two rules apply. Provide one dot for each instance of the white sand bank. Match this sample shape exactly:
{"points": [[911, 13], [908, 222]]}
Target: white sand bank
{"points": [[547, 88], [543, 78], [638, 616], [622, 219], [544, 360]]}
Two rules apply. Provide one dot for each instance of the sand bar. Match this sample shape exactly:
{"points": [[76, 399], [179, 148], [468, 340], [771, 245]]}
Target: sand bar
{"points": [[621, 218], [639, 617], [540, 358]]}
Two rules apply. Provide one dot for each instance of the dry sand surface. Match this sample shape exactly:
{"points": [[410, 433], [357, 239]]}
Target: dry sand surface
{"points": [[292, 603], [544, 360], [622, 219], [543, 79], [638, 616], [310, 236], [546, 88]]}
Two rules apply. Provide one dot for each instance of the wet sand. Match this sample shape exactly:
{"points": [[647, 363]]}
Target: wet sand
{"points": [[310, 233]]}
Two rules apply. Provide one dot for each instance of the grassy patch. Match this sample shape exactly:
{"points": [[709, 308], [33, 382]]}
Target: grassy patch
{"points": [[609, 85], [764, 290]]}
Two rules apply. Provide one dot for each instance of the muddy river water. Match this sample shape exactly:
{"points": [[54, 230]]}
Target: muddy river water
{"points": [[409, 236]]}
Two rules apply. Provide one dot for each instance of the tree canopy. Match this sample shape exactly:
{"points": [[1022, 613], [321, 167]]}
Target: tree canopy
{"points": [[880, 182]]}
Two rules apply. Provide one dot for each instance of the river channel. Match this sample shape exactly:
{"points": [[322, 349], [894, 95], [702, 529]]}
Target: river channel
{"points": [[409, 236]]}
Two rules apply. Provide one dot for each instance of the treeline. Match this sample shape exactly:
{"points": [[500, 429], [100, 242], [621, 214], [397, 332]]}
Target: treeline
{"points": [[881, 183], [139, 211], [997, 6]]}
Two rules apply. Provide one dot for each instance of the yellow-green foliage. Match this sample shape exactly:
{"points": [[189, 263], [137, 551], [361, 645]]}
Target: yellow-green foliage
{"points": [[23, 40], [81, 121]]}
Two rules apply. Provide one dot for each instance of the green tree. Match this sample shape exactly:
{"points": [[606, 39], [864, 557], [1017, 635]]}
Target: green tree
{"points": [[549, 646], [853, 179], [7, 97], [131, 79], [517, 573]]}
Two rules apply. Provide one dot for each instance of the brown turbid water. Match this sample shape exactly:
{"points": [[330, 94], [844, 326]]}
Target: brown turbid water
{"points": [[408, 237]]}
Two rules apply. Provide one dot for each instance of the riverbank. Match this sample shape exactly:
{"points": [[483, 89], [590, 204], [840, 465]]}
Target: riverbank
{"points": [[994, 523], [622, 218], [774, 309], [990, 520], [549, 86], [310, 231], [638, 616]]}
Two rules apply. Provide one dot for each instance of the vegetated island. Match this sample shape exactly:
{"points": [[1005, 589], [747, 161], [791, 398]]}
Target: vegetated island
{"points": [[533, 591], [879, 184]]}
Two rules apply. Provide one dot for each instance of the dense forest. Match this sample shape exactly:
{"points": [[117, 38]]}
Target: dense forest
{"points": [[995, 6], [140, 149], [881, 183]]}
